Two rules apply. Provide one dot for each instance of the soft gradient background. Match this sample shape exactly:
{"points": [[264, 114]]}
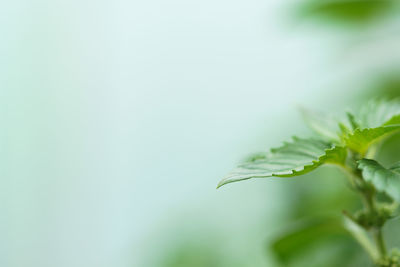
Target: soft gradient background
{"points": [[118, 118]]}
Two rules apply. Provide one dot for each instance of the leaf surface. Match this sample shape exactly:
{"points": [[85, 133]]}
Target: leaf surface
{"points": [[385, 180], [322, 124], [292, 159], [346, 11], [361, 139], [394, 120], [379, 112], [305, 235]]}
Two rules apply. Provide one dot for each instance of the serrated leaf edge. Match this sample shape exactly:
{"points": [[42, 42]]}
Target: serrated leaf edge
{"points": [[305, 168]]}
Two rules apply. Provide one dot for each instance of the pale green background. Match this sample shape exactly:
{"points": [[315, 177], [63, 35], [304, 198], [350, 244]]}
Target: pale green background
{"points": [[118, 118]]}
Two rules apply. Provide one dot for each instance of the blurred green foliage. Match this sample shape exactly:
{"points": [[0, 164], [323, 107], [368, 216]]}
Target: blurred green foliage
{"points": [[345, 11], [313, 233], [385, 85], [192, 253]]}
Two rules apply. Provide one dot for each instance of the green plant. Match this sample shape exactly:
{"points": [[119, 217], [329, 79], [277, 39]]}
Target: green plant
{"points": [[351, 144]]}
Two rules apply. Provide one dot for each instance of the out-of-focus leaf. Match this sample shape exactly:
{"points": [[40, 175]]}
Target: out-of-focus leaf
{"points": [[394, 120], [385, 180], [322, 124], [307, 236], [310, 196], [193, 253], [292, 159], [354, 123], [387, 85], [350, 11], [375, 120], [360, 140], [379, 112], [389, 151]]}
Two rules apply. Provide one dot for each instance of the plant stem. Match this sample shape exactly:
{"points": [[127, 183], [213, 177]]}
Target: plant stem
{"points": [[380, 244], [369, 203], [361, 236], [368, 196]]}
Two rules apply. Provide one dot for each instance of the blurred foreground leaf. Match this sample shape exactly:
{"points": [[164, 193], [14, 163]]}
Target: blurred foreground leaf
{"points": [[348, 11], [310, 237], [387, 86], [196, 254]]}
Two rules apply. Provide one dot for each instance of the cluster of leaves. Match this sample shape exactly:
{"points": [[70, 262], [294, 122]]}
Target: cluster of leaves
{"points": [[355, 139], [350, 143]]}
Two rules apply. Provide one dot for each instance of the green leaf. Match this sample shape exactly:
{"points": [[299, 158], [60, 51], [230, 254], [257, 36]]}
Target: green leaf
{"points": [[385, 180], [307, 235], [394, 120], [346, 11], [352, 120], [322, 124], [379, 112], [361, 139], [292, 159]]}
